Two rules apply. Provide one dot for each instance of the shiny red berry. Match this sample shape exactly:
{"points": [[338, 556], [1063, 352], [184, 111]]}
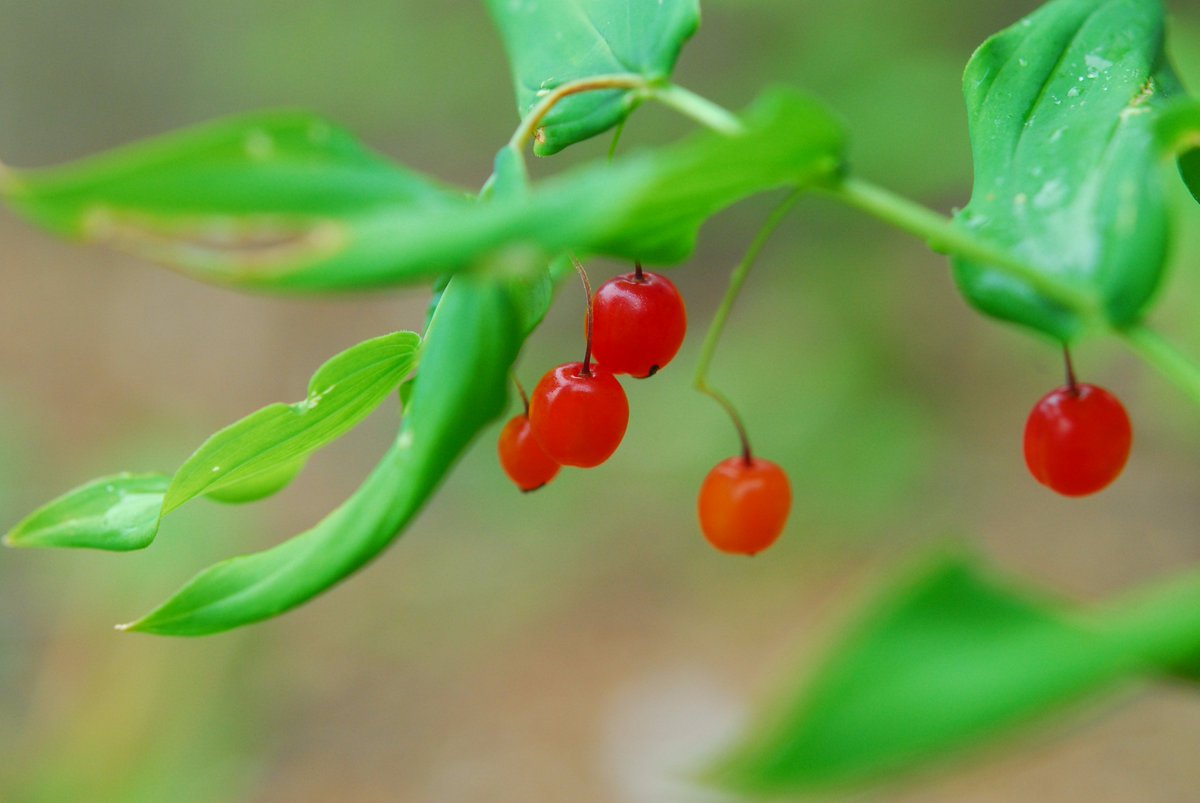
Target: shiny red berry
{"points": [[579, 417], [744, 505], [640, 321], [523, 459], [1077, 439]]}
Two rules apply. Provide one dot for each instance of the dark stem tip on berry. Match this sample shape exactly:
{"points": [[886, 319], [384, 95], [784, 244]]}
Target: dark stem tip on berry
{"points": [[638, 274], [653, 371], [1072, 383], [534, 488]]}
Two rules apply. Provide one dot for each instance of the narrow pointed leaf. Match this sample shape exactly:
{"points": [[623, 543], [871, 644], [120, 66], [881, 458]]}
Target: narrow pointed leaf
{"points": [[394, 228], [116, 513], [1068, 176], [244, 462], [553, 43], [278, 438], [469, 347], [247, 201], [948, 660]]}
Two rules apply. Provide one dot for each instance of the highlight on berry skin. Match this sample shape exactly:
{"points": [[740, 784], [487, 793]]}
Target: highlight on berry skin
{"points": [[744, 505], [522, 457], [640, 322], [1077, 439]]}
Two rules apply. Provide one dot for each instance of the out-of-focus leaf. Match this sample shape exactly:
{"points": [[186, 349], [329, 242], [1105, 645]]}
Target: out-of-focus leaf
{"points": [[553, 43], [1062, 108], [648, 206], [117, 513], [947, 660], [248, 200], [277, 439], [469, 347]]}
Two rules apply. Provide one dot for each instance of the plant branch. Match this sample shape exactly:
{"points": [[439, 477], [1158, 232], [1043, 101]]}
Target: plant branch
{"points": [[738, 278], [944, 237], [700, 109]]}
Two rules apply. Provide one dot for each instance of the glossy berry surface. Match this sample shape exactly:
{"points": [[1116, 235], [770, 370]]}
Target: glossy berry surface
{"points": [[1077, 440], [744, 506], [579, 419], [522, 457], [639, 323]]}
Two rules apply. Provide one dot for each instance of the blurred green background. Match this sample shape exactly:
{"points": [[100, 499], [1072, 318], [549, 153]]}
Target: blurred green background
{"points": [[582, 643]]}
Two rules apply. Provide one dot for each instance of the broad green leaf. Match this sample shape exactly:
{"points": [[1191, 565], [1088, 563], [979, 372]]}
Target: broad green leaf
{"points": [[1063, 107], [946, 661], [246, 201], [278, 438], [469, 347], [116, 513], [553, 43]]}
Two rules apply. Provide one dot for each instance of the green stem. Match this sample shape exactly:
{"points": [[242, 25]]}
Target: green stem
{"points": [[738, 278], [944, 237], [700, 109], [617, 132], [1164, 356]]}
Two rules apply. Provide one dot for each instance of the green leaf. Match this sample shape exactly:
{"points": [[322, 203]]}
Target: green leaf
{"points": [[249, 200], [260, 486], [116, 513], [648, 205], [244, 462], [398, 229], [1068, 176], [1179, 135], [553, 43], [947, 660], [469, 347], [278, 438]]}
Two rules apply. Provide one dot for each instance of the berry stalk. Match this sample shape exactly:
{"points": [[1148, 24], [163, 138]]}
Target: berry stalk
{"points": [[736, 280], [587, 289]]}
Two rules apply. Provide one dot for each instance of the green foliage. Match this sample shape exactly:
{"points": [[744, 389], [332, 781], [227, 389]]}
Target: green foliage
{"points": [[273, 200], [551, 44], [1070, 114], [470, 345], [246, 461], [1063, 107], [117, 513], [649, 206], [1179, 133], [947, 659], [277, 439]]}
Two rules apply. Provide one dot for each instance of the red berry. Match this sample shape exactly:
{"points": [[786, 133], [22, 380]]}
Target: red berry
{"points": [[1077, 439], [744, 505], [579, 418], [639, 323], [522, 457]]}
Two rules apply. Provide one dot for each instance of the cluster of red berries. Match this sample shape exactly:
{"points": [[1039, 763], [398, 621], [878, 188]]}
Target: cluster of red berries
{"points": [[1077, 438], [578, 413]]}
